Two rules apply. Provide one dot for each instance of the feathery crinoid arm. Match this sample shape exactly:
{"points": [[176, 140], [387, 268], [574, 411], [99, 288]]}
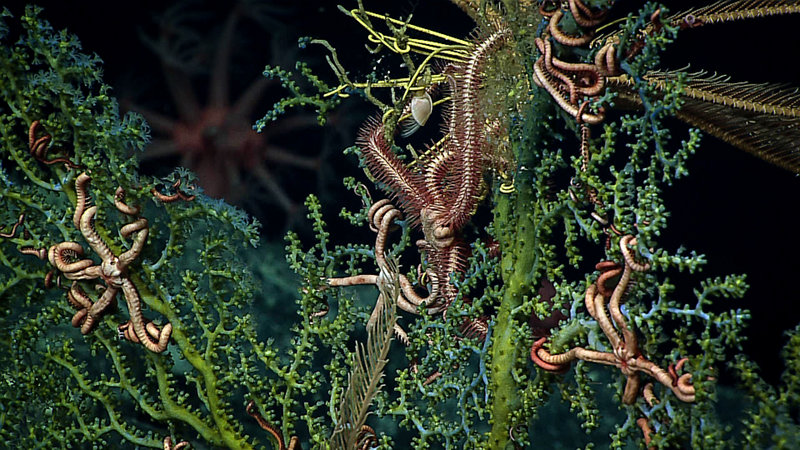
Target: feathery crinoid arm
{"points": [[386, 167], [761, 119], [368, 364], [728, 11], [718, 12]]}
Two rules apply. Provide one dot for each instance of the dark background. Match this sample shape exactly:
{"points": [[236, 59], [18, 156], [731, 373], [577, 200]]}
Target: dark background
{"points": [[736, 209]]}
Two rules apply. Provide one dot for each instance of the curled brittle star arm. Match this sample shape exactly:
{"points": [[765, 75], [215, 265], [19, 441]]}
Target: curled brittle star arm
{"points": [[89, 273], [56, 256], [91, 236], [127, 332], [556, 362], [681, 386], [584, 16], [123, 207], [545, 82], [40, 253], [604, 322], [609, 270], [591, 291], [178, 195], [629, 348], [139, 227], [352, 281], [78, 298], [79, 317], [271, 429], [376, 211], [581, 71], [412, 297], [386, 218], [624, 242], [649, 395], [546, 49], [138, 322], [39, 147], [98, 309], [23, 164], [606, 59], [540, 360], [647, 431], [13, 231], [616, 299], [81, 184], [597, 81], [563, 38]]}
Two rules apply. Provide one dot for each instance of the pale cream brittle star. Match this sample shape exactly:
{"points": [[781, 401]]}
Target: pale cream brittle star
{"points": [[625, 353], [381, 216], [168, 445], [113, 270]]}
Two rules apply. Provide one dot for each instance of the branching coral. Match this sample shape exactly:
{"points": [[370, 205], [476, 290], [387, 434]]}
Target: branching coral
{"points": [[517, 206]]}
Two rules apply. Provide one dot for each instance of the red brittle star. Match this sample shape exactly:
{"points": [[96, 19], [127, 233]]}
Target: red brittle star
{"points": [[440, 192]]}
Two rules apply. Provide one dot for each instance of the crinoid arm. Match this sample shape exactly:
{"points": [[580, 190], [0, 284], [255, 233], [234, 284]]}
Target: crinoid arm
{"points": [[387, 168], [762, 119], [727, 11]]}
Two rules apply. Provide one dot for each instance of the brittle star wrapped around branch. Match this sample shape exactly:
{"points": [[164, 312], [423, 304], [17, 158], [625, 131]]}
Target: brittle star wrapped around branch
{"points": [[381, 218], [113, 270], [625, 353], [568, 82]]}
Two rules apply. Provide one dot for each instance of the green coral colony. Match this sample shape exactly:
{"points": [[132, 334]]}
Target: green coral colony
{"points": [[532, 291]]}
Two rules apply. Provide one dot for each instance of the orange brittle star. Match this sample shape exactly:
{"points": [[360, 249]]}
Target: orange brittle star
{"points": [[381, 216]]}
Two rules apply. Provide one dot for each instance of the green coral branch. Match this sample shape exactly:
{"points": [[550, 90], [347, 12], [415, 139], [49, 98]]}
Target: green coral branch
{"points": [[465, 379]]}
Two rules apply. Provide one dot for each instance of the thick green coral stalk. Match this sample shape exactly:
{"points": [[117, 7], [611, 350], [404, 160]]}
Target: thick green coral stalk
{"points": [[515, 217], [505, 347]]}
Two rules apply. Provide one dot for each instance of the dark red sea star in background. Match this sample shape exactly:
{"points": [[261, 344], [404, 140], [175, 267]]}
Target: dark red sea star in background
{"points": [[215, 139]]}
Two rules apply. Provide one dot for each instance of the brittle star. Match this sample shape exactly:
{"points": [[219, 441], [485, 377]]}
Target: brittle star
{"points": [[381, 216], [568, 82], [113, 270], [625, 353], [440, 192], [168, 445]]}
